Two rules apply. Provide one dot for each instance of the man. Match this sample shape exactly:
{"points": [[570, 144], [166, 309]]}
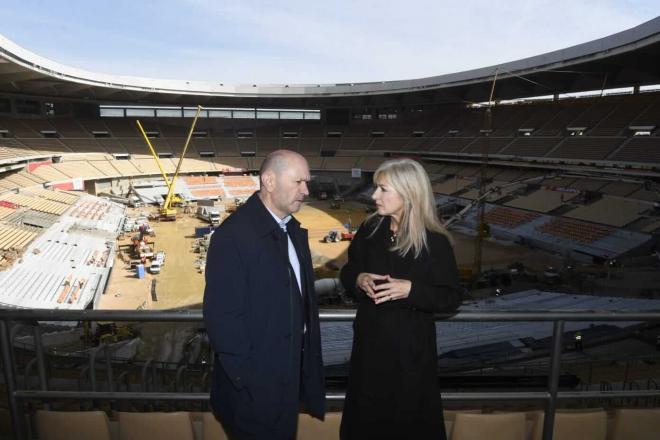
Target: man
{"points": [[260, 310]]}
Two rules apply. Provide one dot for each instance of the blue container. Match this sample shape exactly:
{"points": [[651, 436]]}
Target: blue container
{"points": [[201, 231], [139, 271]]}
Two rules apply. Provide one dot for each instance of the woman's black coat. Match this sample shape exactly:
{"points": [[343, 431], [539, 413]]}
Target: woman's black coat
{"points": [[393, 383]]}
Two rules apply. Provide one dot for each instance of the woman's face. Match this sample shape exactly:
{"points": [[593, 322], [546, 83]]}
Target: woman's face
{"points": [[388, 200]]}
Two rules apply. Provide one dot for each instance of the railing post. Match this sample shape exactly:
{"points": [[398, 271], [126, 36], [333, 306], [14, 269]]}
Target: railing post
{"points": [[144, 376], [553, 380], [92, 364], [16, 409], [41, 364], [108, 366], [179, 378]]}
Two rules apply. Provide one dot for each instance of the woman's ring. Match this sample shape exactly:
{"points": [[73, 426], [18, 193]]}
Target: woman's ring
{"points": [[390, 296]]}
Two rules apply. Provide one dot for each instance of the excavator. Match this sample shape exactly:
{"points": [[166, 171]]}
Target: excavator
{"points": [[167, 211]]}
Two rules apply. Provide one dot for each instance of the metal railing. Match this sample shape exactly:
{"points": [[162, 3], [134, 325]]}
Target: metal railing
{"points": [[550, 396]]}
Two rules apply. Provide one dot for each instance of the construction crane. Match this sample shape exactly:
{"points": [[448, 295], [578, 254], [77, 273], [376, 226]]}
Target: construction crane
{"points": [[175, 199], [167, 210], [482, 228]]}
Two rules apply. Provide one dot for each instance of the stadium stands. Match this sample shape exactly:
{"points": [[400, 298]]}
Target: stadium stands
{"points": [[579, 424], [529, 146], [511, 426], [452, 185], [314, 429], [65, 261], [509, 218], [542, 200], [165, 426], [638, 424], [448, 130], [65, 425], [575, 231], [576, 425], [639, 149], [614, 211], [585, 147]]}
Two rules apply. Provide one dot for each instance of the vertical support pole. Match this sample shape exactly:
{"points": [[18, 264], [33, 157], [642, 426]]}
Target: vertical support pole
{"points": [[108, 367], [41, 363], [15, 408], [553, 380]]}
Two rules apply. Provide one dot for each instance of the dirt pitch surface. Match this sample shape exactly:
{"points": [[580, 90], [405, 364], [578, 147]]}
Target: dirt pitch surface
{"points": [[181, 285]]}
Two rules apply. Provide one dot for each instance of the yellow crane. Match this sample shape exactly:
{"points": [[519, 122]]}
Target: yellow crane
{"points": [[167, 211]]}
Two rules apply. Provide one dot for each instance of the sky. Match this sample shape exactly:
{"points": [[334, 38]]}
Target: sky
{"points": [[307, 42]]}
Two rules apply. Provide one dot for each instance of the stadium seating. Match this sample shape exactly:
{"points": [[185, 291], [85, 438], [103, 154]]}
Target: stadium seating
{"points": [[310, 428], [162, 426], [465, 424], [636, 424], [586, 147], [574, 425], [639, 149], [542, 200], [509, 218], [449, 129], [575, 230], [511, 426], [211, 428], [612, 211], [67, 425]]}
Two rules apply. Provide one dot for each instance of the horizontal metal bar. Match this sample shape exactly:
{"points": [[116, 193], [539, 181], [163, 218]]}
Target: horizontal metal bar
{"points": [[339, 396], [522, 395], [334, 396], [325, 315], [107, 395], [565, 395], [100, 315]]}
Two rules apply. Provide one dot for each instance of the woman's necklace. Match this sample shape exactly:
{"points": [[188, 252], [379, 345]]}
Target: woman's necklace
{"points": [[393, 236]]}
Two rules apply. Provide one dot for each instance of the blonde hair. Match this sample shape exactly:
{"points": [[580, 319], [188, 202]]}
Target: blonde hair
{"points": [[409, 179]]}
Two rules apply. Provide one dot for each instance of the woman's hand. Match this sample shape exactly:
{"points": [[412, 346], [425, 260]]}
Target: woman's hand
{"points": [[391, 290], [367, 282]]}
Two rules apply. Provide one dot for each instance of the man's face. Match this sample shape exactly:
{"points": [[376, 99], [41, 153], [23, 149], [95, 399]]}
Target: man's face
{"points": [[289, 187]]}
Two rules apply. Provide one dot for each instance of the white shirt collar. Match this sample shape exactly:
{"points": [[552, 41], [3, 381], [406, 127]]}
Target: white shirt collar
{"points": [[280, 221]]}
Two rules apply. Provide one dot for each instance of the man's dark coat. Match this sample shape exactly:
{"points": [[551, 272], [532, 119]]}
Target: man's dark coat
{"points": [[252, 311]]}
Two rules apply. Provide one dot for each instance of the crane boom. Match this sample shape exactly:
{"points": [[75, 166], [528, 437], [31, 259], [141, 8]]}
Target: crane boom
{"points": [[166, 210], [170, 193], [153, 153]]}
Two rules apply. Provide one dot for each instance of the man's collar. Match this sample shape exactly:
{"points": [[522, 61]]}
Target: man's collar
{"points": [[280, 221], [261, 216]]}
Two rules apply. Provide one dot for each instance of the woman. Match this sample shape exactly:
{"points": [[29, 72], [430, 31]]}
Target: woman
{"points": [[401, 269]]}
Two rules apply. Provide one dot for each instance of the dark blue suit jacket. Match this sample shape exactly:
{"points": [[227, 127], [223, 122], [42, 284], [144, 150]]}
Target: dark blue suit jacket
{"points": [[252, 311]]}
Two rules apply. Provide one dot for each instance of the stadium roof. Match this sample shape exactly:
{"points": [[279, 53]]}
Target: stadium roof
{"points": [[627, 58]]}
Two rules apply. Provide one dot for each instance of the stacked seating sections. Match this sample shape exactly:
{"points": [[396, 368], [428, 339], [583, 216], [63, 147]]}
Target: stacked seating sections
{"points": [[575, 230]]}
